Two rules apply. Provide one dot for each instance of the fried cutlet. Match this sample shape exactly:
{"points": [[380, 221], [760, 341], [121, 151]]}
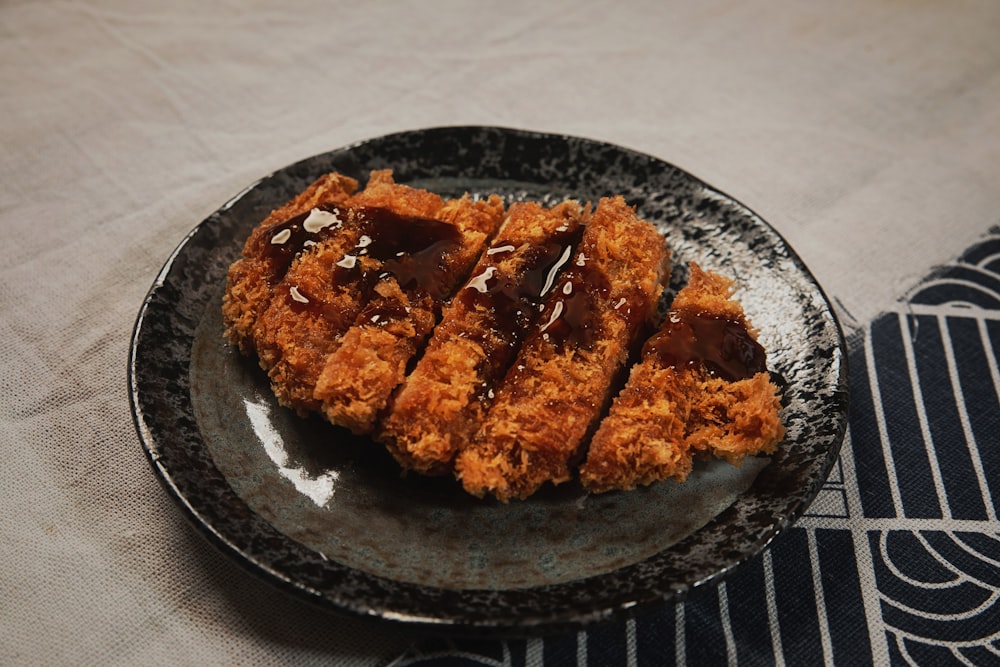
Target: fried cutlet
{"points": [[324, 289], [702, 387], [252, 277], [338, 290], [443, 400], [559, 384], [415, 266]]}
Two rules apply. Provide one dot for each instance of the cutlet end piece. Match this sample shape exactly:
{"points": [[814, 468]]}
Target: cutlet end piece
{"points": [[683, 398]]}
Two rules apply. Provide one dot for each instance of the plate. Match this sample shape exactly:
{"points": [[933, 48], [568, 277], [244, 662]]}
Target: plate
{"points": [[328, 516]]}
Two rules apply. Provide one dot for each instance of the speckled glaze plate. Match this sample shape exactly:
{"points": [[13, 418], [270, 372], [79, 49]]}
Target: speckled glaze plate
{"points": [[327, 516]]}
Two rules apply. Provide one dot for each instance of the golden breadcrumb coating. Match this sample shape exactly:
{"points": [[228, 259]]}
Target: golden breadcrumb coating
{"points": [[559, 384], [251, 279], [669, 412], [319, 298], [307, 275], [359, 377], [443, 401], [306, 317]]}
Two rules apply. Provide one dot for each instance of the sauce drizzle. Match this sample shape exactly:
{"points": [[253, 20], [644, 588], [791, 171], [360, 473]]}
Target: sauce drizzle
{"points": [[514, 300], [411, 248], [722, 346]]}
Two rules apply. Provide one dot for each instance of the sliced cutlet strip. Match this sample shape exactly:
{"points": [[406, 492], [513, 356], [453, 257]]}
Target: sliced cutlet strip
{"points": [[443, 400], [324, 289], [559, 384], [414, 265], [701, 387], [267, 255]]}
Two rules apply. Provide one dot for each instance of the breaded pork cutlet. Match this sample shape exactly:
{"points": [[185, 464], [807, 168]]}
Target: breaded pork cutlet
{"points": [[443, 400], [560, 381], [251, 279], [323, 291], [412, 267], [701, 387]]}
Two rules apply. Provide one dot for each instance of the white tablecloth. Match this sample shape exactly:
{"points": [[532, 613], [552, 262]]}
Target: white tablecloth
{"points": [[867, 133]]}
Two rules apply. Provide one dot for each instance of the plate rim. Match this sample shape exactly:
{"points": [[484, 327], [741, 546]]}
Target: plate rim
{"points": [[497, 624]]}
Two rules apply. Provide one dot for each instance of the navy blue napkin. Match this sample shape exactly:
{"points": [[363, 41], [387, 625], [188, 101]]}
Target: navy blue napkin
{"points": [[897, 561]]}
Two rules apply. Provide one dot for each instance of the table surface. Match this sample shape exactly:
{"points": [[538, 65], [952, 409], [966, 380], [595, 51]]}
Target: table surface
{"points": [[867, 133]]}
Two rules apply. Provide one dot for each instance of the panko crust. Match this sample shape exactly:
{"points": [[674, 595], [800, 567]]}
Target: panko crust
{"points": [[559, 384], [665, 416], [443, 401], [360, 376], [251, 278]]}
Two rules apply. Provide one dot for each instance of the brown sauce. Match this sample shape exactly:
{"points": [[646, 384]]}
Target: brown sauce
{"points": [[514, 301], [412, 249], [380, 312], [723, 347], [285, 241], [570, 318], [582, 302]]}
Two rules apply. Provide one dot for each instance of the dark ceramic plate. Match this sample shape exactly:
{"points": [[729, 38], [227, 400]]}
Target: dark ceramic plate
{"points": [[327, 516]]}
